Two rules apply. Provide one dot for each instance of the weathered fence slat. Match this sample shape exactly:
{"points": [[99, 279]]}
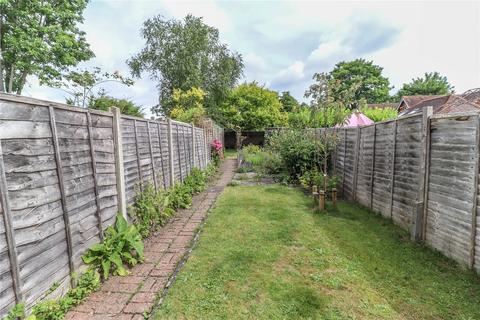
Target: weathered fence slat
{"points": [[152, 159], [475, 194], [179, 156], [95, 176], [194, 145], [9, 232], [170, 152], [344, 159], [63, 196], [355, 164], [161, 156], [372, 174], [139, 167], [392, 176]]}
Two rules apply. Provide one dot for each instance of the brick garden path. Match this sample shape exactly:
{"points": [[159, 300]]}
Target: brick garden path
{"points": [[132, 296]]}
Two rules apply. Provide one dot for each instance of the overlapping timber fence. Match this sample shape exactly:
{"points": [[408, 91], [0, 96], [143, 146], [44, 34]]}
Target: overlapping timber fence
{"points": [[64, 174], [422, 172]]}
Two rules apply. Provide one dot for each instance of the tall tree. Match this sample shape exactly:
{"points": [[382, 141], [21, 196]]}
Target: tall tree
{"points": [[41, 38], [186, 54], [431, 84], [367, 79], [252, 107], [289, 103]]}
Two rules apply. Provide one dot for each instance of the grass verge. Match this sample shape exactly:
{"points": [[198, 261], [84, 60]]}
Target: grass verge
{"points": [[265, 253]]}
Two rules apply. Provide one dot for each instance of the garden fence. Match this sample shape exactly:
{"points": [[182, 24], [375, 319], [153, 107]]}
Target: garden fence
{"points": [[422, 172], [64, 174]]}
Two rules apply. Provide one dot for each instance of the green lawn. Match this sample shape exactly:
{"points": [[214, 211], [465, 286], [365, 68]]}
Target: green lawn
{"points": [[231, 153], [266, 254]]}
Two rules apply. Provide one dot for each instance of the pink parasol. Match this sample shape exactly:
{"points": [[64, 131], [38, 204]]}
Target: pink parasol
{"points": [[356, 119]]}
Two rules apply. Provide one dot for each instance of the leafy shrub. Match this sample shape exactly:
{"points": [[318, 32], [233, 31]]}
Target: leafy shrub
{"points": [[195, 181], [300, 151], [150, 210], [122, 245], [380, 114], [56, 309]]}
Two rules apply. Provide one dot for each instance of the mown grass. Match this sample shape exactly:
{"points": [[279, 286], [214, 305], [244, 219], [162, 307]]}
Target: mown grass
{"points": [[230, 153], [266, 254]]}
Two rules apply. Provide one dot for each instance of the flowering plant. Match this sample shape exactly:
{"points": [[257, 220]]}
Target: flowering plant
{"points": [[217, 151]]}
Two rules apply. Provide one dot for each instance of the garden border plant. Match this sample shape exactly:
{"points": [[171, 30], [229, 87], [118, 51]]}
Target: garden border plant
{"points": [[122, 245]]}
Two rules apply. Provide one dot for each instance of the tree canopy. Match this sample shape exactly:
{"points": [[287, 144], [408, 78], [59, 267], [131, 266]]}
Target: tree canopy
{"points": [[289, 103], [430, 84], [364, 78], [104, 102], [40, 38], [252, 107], [182, 54], [188, 106]]}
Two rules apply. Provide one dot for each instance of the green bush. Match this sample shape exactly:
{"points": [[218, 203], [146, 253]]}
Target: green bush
{"points": [[122, 245], [150, 210], [380, 114], [300, 151]]}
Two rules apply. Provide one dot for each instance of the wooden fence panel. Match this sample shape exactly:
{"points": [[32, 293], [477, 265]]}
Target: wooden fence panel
{"points": [[104, 157], [60, 183], [451, 185], [7, 293], [339, 160], [143, 152], [407, 164], [365, 160], [35, 201], [130, 158], [348, 174], [383, 168], [162, 127], [78, 178]]}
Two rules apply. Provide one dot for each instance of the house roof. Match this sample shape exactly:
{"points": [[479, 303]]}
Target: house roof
{"points": [[383, 105], [410, 101], [466, 102]]}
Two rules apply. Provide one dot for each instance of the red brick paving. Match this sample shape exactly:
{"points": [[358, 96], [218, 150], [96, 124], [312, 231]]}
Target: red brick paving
{"points": [[132, 296]]}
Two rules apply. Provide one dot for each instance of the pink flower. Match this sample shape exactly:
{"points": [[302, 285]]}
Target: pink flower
{"points": [[217, 145]]}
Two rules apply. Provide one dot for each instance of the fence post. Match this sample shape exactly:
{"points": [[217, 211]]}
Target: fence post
{"points": [[119, 170], [152, 159], [194, 151], [420, 213], [9, 234], [475, 196], [355, 164], [63, 196], [170, 152], [95, 176], [206, 146], [392, 176], [372, 176]]}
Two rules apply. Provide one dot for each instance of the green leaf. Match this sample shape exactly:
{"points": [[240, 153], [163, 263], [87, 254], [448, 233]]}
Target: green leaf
{"points": [[106, 265], [121, 224]]}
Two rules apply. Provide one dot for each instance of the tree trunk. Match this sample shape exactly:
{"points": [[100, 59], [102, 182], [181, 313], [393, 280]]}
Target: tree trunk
{"points": [[23, 80], [238, 139], [10, 79]]}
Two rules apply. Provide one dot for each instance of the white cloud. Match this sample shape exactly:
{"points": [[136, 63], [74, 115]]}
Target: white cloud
{"points": [[292, 73], [284, 43]]}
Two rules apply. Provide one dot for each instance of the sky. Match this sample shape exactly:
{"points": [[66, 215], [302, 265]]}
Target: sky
{"points": [[283, 43]]}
